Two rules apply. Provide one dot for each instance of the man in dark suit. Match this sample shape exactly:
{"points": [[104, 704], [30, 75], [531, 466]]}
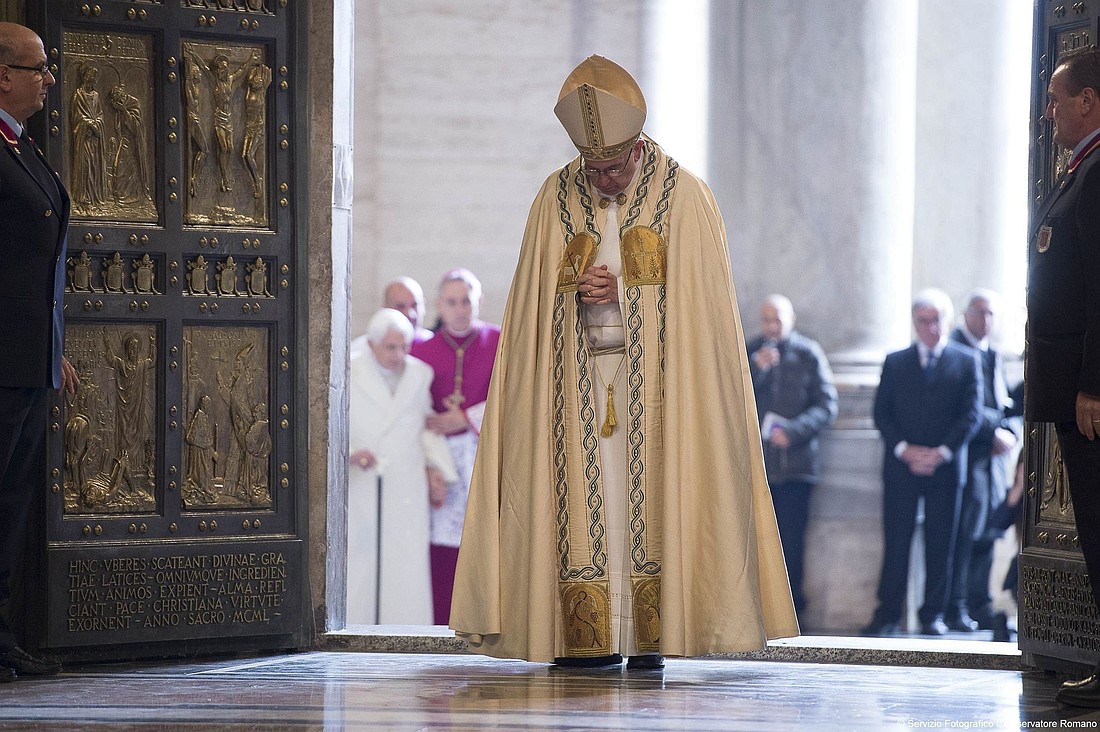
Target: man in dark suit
{"points": [[35, 210], [795, 402], [969, 605], [1063, 362], [927, 409]]}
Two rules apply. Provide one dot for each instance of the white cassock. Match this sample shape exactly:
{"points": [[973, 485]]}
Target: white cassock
{"points": [[386, 416]]}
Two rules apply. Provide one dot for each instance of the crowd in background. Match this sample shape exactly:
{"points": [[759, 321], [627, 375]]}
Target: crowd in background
{"points": [[949, 423], [950, 429], [416, 405]]}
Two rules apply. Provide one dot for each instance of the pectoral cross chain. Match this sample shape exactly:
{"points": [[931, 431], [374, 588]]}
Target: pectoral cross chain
{"points": [[456, 398]]}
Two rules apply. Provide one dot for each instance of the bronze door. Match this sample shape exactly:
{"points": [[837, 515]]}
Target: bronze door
{"points": [[1057, 619], [175, 502]]}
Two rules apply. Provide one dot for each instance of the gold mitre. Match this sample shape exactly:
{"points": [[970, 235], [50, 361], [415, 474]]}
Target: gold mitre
{"points": [[602, 108]]}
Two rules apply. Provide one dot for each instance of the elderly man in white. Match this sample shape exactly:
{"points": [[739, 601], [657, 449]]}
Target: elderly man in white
{"points": [[391, 451]]}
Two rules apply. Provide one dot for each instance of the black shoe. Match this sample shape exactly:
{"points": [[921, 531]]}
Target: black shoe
{"points": [[936, 627], [647, 662], [963, 623], [880, 629], [7, 675], [615, 659], [987, 619], [20, 661], [1083, 693], [1001, 632]]}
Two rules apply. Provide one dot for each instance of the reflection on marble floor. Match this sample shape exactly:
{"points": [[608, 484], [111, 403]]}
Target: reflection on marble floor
{"points": [[333, 691]]}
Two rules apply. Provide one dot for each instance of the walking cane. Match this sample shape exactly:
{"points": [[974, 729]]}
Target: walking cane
{"points": [[378, 560]]}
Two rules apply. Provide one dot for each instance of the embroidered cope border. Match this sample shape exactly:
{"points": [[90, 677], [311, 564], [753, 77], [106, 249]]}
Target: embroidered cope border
{"points": [[583, 581]]}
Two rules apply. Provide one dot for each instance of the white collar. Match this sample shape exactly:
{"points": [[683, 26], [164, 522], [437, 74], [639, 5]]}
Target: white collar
{"points": [[935, 352], [16, 127]]}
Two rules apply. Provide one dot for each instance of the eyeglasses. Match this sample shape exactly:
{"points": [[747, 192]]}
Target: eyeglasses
{"points": [[39, 71], [613, 170]]}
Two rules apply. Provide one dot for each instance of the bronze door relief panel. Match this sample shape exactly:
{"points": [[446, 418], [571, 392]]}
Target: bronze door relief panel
{"points": [[110, 454], [225, 89], [108, 95], [176, 512], [226, 386]]}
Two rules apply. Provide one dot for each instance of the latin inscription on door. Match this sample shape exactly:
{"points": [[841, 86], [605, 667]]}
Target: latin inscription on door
{"points": [[159, 593], [1057, 615]]}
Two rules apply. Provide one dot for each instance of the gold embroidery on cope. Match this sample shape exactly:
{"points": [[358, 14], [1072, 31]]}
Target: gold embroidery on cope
{"points": [[647, 613], [644, 252], [586, 611], [579, 255], [590, 110]]}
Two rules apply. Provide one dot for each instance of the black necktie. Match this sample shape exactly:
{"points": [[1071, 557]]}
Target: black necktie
{"points": [[930, 365]]}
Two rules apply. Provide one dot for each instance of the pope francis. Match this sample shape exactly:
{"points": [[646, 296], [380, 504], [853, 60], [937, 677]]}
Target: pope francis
{"points": [[619, 505]]}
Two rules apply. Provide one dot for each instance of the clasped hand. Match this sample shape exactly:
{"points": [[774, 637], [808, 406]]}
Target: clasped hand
{"points": [[598, 286], [448, 423], [922, 460]]}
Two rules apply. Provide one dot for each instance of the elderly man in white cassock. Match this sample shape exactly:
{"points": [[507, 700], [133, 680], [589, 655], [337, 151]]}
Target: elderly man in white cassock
{"points": [[391, 451], [619, 505]]}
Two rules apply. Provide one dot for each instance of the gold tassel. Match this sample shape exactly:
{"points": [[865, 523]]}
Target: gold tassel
{"points": [[610, 422]]}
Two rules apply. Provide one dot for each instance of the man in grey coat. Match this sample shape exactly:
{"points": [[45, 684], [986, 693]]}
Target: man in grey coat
{"points": [[795, 402]]}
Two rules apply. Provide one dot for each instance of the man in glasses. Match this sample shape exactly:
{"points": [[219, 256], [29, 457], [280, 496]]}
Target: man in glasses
{"points": [[35, 210], [619, 505]]}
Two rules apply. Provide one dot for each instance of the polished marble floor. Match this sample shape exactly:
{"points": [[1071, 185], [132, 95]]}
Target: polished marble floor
{"points": [[395, 691]]}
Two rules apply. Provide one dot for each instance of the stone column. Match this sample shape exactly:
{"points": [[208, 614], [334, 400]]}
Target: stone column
{"points": [[812, 126], [972, 145], [812, 162]]}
